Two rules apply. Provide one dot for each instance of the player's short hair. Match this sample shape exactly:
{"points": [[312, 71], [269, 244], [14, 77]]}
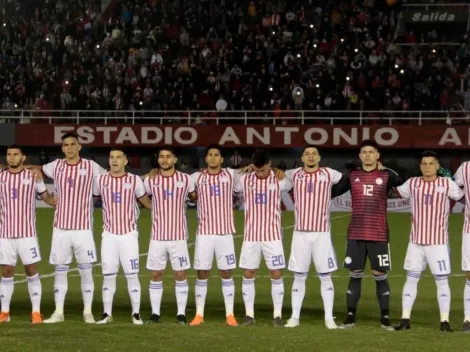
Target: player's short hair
{"points": [[70, 135], [168, 149], [117, 149], [369, 143], [310, 146], [430, 154], [214, 146], [15, 146], [260, 158]]}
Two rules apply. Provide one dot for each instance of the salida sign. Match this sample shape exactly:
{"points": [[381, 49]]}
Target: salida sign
{"points": [[435, 137]]}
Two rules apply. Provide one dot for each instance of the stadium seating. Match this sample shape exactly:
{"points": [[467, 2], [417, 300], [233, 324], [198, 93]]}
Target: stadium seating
{"points": [[261, 55]]}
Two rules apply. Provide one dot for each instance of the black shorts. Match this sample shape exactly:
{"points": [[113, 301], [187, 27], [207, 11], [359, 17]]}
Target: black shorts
{"points": [[357, 252]]}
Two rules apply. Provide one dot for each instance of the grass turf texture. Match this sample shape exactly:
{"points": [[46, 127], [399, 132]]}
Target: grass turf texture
{"points": [[75, 335]]}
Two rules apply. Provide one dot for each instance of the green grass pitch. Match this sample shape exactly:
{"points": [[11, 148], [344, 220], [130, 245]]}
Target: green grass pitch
{"points": [[74, 335]]}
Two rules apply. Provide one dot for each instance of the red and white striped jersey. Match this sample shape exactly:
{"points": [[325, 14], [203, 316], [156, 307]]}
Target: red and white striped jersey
{"points": [[18, 204], [430, 208], [119, 196], [215, 201], [169, 195], [74, 186], [312, 196], [262, 205], [462, 178]]}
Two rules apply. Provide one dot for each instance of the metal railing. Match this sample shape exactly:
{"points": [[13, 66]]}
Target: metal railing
{"points": [[191, 117]]}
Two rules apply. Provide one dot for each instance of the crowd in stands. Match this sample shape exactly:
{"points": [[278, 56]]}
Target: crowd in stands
{"points": [[273, 55]]}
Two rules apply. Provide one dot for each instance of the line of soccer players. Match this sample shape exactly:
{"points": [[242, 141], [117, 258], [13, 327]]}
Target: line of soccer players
{"points": [[165, 193]]}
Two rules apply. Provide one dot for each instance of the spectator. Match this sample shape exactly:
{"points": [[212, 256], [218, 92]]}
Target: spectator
{"points": [[235, 160], [43, 158], [171, 55]]}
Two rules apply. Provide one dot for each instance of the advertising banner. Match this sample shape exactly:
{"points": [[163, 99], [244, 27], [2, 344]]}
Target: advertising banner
{"points": [[328, 136]]}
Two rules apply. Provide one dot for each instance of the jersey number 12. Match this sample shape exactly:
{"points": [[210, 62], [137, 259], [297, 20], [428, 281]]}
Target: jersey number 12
{"points": [[367, 190]]}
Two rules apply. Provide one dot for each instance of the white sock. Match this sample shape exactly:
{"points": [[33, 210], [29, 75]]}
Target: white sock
{"points": [[466, 300], [443, 296], [35, 292], [6, 292], [410, 290], [298, 294], [248, 290], [277, 294], [201, 293], [181, 291], [87, 285], [109, 288], [133, 287], [156, 292], [61, 286], [228, 290], [327, 294]]}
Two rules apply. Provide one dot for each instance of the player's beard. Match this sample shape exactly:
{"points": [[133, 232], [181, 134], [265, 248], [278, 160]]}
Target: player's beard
{"points": [[14, 166], [167, 168]]}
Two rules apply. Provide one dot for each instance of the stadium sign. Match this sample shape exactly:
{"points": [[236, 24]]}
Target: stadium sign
{"points": [[429, 136], [435, 16], [450, 22]]}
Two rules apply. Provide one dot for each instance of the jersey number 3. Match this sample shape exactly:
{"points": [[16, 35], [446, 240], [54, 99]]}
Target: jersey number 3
{"points": [[367, 190]]}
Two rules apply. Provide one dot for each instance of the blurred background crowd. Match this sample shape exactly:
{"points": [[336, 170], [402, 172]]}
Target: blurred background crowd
{"points": [[273, 55]]}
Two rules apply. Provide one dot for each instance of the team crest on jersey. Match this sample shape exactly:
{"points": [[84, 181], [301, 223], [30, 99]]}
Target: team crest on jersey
{"points": [[379, 181], [440, 189], [357, 180], [203, 182], [179, 184], [26, 181], [224, 179], [82, 172], [300, 177], [272, 186], [127, 185], [61, 169], [105, 185], [323, 178]]}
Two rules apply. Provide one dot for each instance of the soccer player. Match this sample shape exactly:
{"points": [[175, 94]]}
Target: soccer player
{"points": [[368, 233], [214, 187], [312, 234], [169, 190], [72, 233], [429, 237], [262, 237], [18, 237], [120, 192], [462, 178]]}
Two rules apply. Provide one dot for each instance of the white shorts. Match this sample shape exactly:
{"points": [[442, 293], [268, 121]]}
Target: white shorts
{"points": [[312, 245], [436, 256], [66, 243], [25, 248], [208, 246], [466, 252], [272, 251], [176, 251], [122, 249]]}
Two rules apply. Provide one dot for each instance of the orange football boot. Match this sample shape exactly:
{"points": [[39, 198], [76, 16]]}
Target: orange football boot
{"points": [[36, 318], [4, 317], [231, 321], [198, 320]]}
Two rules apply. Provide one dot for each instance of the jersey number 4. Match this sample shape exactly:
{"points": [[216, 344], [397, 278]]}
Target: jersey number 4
{"points": [[367, 190]]}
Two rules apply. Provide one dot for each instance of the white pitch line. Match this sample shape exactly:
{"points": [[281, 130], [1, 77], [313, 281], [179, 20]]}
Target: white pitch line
{"points": [[45, 276]]}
